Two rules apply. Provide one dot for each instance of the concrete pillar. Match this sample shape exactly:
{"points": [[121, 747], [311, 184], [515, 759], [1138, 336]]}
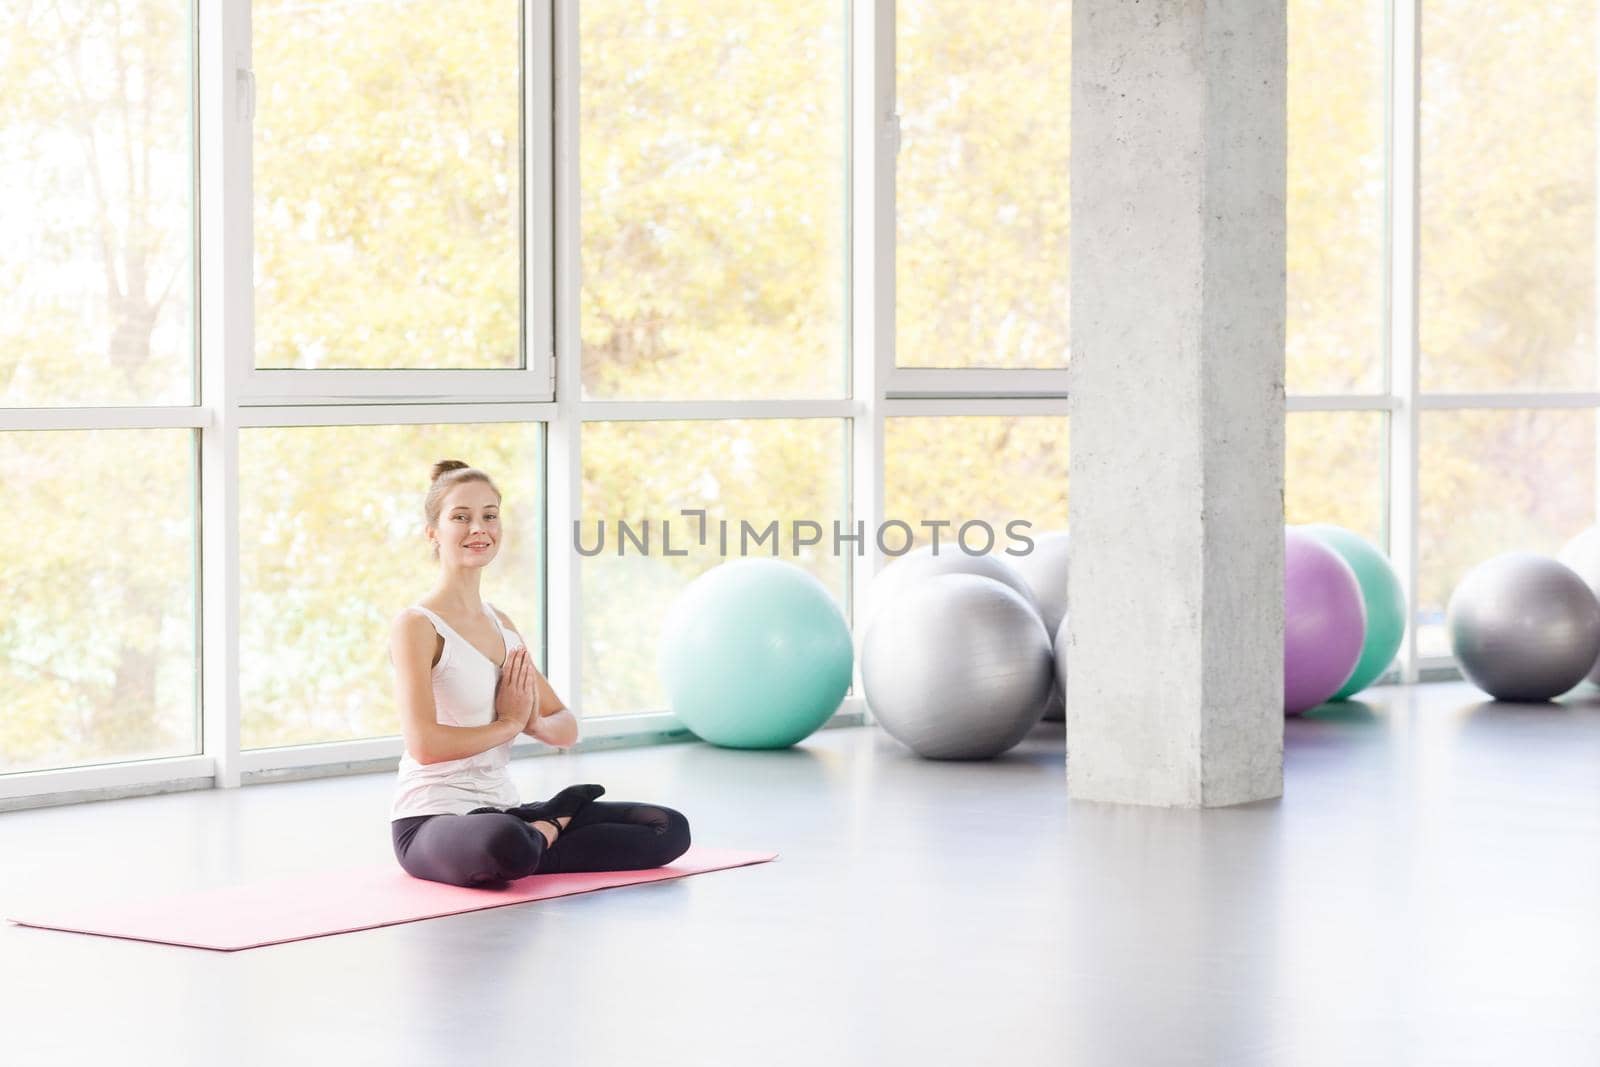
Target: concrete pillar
{"points": [[1176, 572]]}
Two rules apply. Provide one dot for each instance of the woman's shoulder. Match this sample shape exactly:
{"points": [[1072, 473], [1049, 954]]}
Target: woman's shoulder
{"points": [[410, 624], [412, 630], [409, 615]]}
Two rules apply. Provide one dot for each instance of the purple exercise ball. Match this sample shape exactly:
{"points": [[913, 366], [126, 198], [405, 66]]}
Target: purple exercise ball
{"points": [[1324, 622]]}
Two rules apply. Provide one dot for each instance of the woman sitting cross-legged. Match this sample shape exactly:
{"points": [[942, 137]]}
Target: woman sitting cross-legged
{"points": [[467, 687]]}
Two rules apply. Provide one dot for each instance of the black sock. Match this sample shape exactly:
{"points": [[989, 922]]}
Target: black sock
{"points": [[568, 802]]}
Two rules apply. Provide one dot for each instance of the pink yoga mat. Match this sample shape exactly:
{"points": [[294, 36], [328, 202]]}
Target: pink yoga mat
{"points": [[333, 902]]}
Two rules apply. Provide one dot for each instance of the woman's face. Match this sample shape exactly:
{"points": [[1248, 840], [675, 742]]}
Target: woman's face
{"points": [[469, 518]]}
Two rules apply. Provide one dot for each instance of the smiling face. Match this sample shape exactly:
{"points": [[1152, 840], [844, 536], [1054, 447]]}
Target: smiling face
{"points": [[469, 518]]}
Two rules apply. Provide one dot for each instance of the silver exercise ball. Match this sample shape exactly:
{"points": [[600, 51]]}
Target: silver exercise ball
{"points": [[1055, 704], [957, 667], [916, 566], [1044, 568], [1059, 689], [1524, 627], [1582, 554]]}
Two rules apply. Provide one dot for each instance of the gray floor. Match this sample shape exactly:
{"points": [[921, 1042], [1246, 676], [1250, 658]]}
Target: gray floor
{"points": [[1427, 891]]}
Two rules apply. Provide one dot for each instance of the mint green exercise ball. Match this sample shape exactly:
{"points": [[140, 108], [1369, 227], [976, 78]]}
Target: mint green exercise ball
{"points": [[755, 653], [1386, 603]]}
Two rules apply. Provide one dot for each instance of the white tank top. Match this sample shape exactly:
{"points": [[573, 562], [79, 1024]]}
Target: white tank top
{"points": [[464, 682]]}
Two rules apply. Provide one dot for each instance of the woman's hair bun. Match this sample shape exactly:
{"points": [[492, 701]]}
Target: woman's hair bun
{"points": [[446, 465]]}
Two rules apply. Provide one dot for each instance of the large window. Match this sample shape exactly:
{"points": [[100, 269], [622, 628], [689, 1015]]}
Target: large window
{"points": [[1337, 184], [1466, 356], [388, 184], [96, 237], [1336, 329], [795, 262], [713, 179], [1508, 196], [1506, 304], [98, 636], [331, 548], [712, 185], [97, 639], [981, 191]]}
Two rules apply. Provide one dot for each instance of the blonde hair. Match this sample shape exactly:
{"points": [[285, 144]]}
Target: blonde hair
{"points": [[447, 474]]}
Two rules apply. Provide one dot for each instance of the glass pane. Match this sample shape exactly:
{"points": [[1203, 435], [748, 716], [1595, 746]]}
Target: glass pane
{"points": [[332, 548], [1336, 196], [1492, 482], [741, 471], [991, 468], [1334, 470], [98, 660], [1508, 195], [97, 231], [712, 172], [388, 184], [981, 193]]}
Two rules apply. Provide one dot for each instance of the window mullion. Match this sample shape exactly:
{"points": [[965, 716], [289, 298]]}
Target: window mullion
{"points": [[1405, 90], [226, 330]]}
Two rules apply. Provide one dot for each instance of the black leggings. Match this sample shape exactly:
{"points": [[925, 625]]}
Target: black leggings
{"points": [[472, 850]]}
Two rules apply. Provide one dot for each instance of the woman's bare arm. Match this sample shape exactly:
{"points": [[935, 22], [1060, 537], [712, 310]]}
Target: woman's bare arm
{"points": [[411, 645], [552, 721]]}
